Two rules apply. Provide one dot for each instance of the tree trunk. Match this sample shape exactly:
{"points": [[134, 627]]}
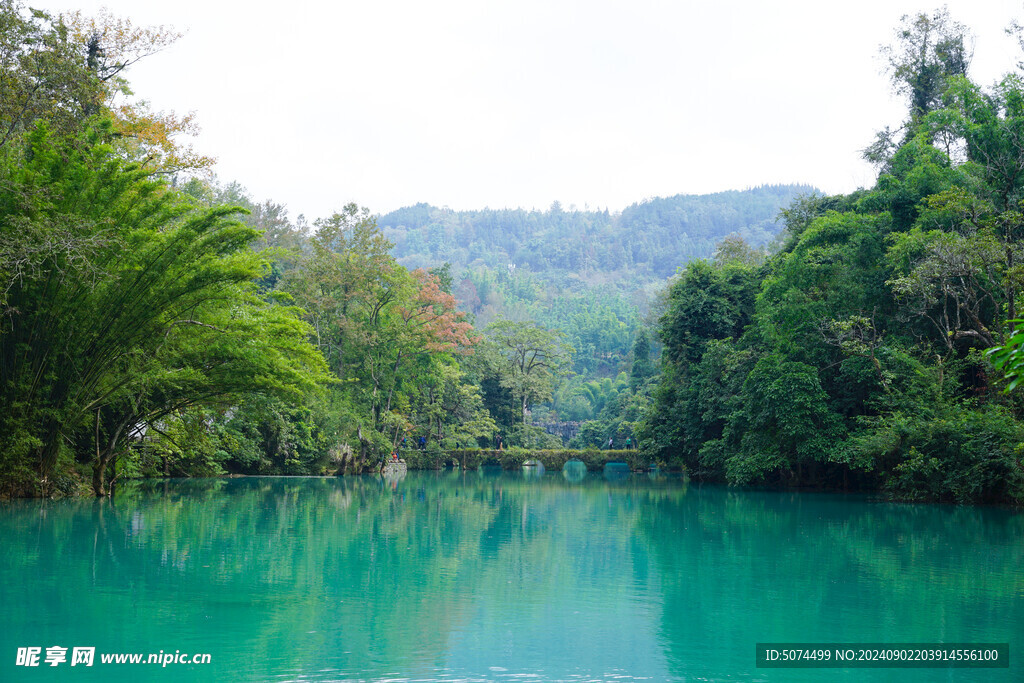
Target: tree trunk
{"points": [[1011, 305], [99, 467], [99, 463], [104, 456], [49, 451]]}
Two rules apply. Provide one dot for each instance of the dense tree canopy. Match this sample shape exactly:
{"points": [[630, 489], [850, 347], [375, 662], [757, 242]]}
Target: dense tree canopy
{"points": [[189, 331], [157, 323], [853, 355]]}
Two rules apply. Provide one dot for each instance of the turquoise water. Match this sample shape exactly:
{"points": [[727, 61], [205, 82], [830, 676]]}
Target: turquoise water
{"points": [[496, 577]]}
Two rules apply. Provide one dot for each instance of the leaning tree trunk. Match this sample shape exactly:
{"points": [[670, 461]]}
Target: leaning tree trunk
{"points": [[99, 486], [105, 456]]}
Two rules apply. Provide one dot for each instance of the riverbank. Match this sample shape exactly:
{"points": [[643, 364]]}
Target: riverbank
{"points": [[513, 458]]}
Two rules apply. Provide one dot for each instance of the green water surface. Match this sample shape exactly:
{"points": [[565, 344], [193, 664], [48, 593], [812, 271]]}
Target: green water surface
{"points": [[496, 577]]}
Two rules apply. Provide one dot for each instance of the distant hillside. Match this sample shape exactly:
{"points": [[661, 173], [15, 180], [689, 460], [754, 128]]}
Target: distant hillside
{"points": [[590, 274], [647, 241]]}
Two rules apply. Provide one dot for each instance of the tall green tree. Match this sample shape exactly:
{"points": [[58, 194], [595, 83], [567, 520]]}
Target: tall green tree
{"points": [[390, 336], [137, 303], [530, 359], [930, 51]]}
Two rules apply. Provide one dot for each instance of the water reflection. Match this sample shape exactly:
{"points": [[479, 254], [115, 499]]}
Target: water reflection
{"points": [[533, 469], [574, 471], [392, 477], [616, 471], [457, 575], [490, 470]]}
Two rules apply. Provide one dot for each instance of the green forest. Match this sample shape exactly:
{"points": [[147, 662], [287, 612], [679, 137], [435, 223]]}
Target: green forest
{"points": [[593, 276], [155, 321]]}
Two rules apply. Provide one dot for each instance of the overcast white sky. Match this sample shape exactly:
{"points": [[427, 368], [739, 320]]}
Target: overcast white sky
{"points": [[474, 103]]}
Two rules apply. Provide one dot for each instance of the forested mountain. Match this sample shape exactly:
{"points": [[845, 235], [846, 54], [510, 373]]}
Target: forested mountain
{"points": [[589, 274], [646, 241]]}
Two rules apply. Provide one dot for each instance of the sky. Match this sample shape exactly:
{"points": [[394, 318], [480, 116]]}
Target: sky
{"points": [[492, 103]]}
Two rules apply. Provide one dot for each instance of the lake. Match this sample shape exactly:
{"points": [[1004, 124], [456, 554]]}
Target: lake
{"points": [[483, 576]]}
